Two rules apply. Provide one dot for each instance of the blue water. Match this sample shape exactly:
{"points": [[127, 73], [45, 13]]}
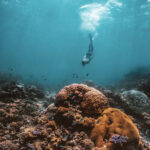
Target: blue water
{"points": [[47, 39]]}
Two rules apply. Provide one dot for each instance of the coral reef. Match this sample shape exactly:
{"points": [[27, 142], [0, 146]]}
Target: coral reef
{"points": [[91, 101], [20, 105], [138, 112], [113, 121], [18, 90], [77, 118]]}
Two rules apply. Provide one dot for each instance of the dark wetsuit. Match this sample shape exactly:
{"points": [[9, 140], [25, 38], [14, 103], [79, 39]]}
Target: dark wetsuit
{"points": [[89, 55]]}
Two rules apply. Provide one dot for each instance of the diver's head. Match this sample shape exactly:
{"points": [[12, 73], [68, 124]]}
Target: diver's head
{"points": [[85, 61]]}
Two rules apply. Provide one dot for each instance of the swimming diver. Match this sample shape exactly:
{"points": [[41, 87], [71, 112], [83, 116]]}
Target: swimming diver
{"points": [[89, 55]]}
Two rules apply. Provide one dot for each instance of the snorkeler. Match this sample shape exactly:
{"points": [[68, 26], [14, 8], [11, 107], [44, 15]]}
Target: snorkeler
{"points": [[89, 55]]}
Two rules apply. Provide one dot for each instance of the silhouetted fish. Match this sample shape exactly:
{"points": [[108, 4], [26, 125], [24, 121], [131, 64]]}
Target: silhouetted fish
{"points": [[75, 75], [11, 69], [87, 74], [65, 81]]}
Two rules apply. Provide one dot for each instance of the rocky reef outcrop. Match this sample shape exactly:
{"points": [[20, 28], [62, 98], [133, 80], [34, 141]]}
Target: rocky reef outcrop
{"points": [[136, 100]]}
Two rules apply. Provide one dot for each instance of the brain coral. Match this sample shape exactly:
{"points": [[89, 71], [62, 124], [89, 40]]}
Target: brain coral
{"points": [[91, 101], [113, 122]]}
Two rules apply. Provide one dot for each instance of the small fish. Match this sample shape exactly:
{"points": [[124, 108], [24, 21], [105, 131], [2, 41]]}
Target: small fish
{"points": [[65, 81], [87, 74], [75, 75], [11, 69]]}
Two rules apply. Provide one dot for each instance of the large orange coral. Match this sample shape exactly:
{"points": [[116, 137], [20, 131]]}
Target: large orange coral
{"points": [[92, 101], [112, 122]]}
